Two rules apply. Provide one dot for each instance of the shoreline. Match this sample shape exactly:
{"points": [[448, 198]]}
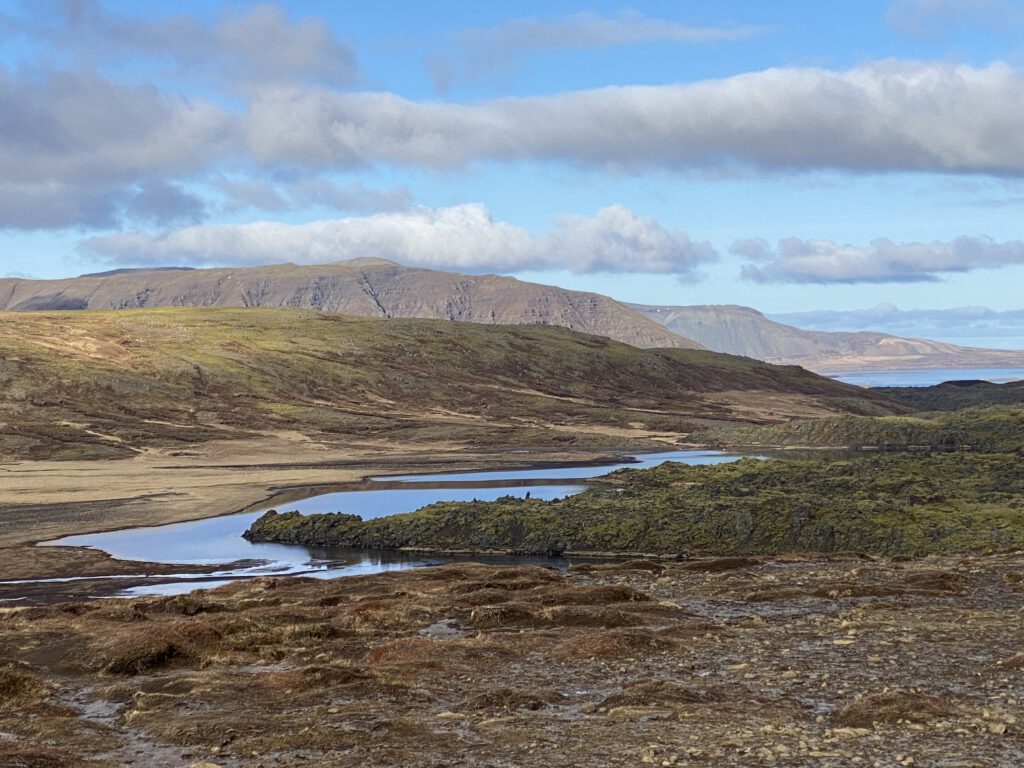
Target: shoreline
{"points": [[214, 480], [260, 483]]}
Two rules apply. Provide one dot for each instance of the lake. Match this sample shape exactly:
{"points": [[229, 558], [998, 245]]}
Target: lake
{"points": [[218, 540]]}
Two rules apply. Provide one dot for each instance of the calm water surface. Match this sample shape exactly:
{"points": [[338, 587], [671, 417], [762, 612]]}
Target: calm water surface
{"points": [[218, 540]]}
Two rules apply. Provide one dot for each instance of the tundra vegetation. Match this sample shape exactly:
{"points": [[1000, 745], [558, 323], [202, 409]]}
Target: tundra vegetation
{"points": [[82, 385], [728, 662], [844, 611], [889, 504], [930, 482]]}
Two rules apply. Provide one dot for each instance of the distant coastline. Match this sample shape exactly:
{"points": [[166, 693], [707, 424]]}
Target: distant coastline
{"points": [[928, 377]]}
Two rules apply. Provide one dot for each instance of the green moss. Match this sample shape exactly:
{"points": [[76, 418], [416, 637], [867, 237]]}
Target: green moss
{"points": [[989, 429], [886, 504]]}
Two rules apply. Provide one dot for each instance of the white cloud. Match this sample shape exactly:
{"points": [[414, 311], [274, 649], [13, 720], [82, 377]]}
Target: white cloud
{"points": [[884, 116], [481, 51], [79, 150], [76, 148], [883, 261], [925, 16], [259, 43], [617, 240], [464, 237]]}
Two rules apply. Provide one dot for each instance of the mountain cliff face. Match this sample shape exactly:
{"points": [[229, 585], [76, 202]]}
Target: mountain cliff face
{"points": [[362, 287], [745, 331]]}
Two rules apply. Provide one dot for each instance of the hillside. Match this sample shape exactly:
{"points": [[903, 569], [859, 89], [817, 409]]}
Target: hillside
{"points": [[361, 287], [89, 384], [980, 429], [954, 395], [744, 331]]}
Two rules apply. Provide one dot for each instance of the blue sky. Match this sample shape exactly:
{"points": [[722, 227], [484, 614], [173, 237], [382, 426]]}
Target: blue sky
{"points": [[845, 164]]}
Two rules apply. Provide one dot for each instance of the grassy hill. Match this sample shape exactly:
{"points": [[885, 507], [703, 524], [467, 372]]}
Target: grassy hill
{"points": [[92, 384], [983, 429], [954, 395]]}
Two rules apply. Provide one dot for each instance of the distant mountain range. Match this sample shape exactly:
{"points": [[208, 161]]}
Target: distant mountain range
{"points": [[380, 288], [360, 287], [745, 331]]}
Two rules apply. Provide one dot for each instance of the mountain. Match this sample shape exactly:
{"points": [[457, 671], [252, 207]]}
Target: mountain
{"points": [[362, 287], [91, 384], [744, 331]]}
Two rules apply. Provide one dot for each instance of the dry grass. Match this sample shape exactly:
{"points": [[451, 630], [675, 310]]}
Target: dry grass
{"points": [[892, 707], [152, 648], [645, 693], [614, 644], [303, 672]]}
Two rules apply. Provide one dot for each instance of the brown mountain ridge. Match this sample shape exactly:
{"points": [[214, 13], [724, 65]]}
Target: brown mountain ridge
{"points": [[360, 287]]}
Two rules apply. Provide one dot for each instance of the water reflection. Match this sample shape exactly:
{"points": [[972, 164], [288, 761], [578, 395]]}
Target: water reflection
{"points": [[642, 461], [218, 540]]}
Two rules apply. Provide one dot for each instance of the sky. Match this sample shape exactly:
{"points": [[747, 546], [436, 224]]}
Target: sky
{"points": [[842, 166]]}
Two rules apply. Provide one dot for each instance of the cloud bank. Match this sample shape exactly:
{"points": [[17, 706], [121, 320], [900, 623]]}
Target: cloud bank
{"points": [[463, 237], [977, 325], [75, 147], [824, 261], [885, 116], [76, 150]]}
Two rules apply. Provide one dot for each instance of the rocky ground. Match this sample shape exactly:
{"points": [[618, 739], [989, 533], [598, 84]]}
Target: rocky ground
{"points": [[741, 661]]}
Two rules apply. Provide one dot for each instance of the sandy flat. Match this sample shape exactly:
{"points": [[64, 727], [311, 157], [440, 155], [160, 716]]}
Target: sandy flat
{"points": [[42, 500]]}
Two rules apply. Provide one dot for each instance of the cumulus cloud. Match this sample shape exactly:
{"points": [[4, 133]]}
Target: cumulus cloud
{"points": [[255, 44], [883, 261], [464, 237], [617, 240], [78, 150], [967, 324], [884, 116], [481, 51]]}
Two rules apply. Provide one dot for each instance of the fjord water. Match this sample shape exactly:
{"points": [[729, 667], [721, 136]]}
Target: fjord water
{"points": [[930, 378], [218, 540]]}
